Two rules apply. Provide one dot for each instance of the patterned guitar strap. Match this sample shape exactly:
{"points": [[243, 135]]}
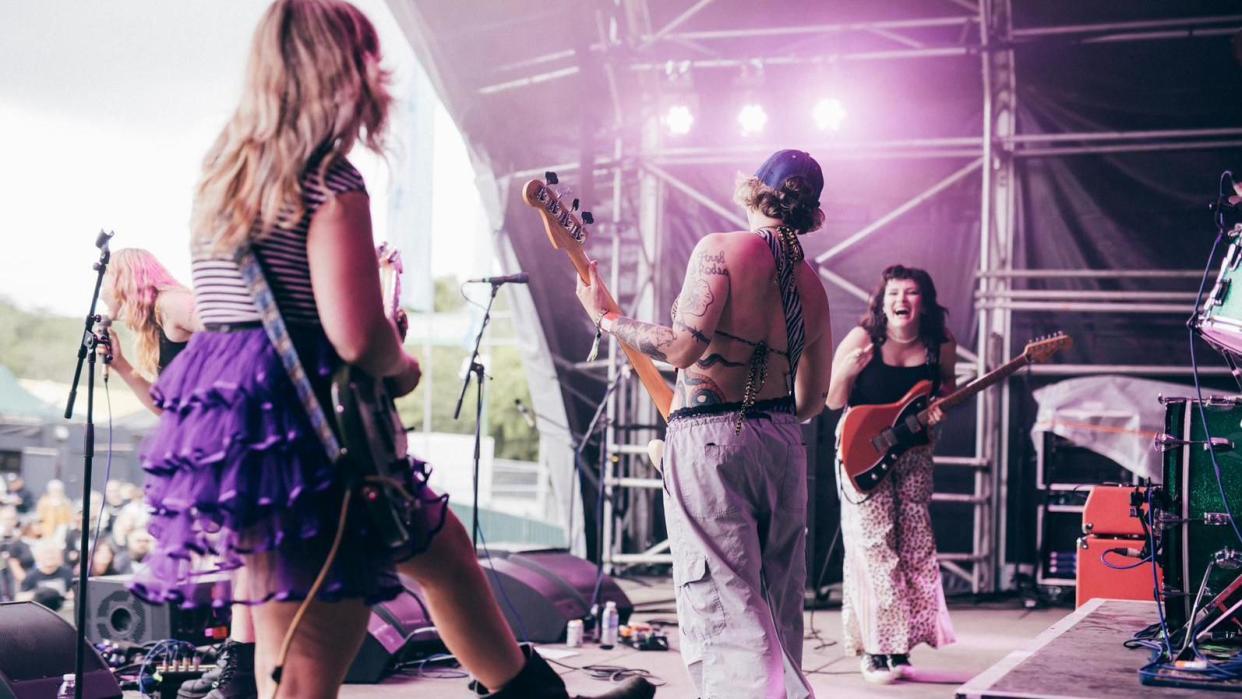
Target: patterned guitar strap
{"points": [[278, 333], [787, 252]]}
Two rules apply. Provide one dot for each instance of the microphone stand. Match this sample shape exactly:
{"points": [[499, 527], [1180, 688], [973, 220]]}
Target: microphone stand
{"points": [[477, 370], [86, 352]]}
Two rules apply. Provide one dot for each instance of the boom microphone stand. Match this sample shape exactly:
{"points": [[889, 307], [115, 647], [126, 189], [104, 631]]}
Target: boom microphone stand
{"points": [[476, 369], [86, 352]]}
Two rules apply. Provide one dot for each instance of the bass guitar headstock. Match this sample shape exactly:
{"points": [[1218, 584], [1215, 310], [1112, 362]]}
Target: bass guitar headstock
{"points": [[390, 270], [1041, 349], [566, 230]]}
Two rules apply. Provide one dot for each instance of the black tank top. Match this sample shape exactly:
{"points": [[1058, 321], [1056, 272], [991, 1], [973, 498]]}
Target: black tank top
{"points": [[880, 383], [168, 350]]}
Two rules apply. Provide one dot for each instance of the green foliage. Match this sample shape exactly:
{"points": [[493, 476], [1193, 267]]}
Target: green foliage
{"points": [[448, 295], [39, 345], [506, 382]]}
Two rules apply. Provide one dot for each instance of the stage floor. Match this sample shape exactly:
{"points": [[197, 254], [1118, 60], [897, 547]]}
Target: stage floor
{"points": [[1079, 657], [986, 634]]}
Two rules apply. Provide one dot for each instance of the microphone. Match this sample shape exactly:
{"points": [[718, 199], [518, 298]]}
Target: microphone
{"points": [[520, 278], [524, 412], [101, 240], [103, 322]]}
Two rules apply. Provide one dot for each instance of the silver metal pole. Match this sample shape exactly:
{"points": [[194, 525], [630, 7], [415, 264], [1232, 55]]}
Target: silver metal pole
{"points": [[910, 204]]}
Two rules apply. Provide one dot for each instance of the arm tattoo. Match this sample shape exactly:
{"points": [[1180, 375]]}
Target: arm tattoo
{"points": [[712, 264], [698, 389], [698, 297], [698, 334], [713, 359], [651, 340]]}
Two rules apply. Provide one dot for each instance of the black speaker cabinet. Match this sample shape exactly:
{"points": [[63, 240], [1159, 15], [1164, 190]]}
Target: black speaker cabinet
{"points": [[117, 615], [396, 629], [37, 651], [539, 591]]}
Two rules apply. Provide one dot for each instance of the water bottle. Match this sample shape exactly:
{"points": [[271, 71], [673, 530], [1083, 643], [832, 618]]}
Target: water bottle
{"points": [[66, 687], [609, 625]]}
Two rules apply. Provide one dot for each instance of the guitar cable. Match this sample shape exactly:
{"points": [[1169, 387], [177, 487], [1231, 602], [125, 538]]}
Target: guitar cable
{"points": [[278, 670]]}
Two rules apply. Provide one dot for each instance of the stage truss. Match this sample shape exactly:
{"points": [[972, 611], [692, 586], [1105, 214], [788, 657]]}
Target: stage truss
{"points": [[985, 30]]}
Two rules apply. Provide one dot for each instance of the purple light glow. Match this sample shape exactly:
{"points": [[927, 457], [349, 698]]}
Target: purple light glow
{"points": [[679, 120], [829, 113], [752, 118]]}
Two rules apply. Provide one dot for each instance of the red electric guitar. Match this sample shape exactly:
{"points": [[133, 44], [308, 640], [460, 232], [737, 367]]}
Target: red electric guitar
{"points": [[873, 437]]}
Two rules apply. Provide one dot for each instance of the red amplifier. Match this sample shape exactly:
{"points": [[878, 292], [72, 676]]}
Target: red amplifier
{"points": [[1123, 580], [1108, 513]]}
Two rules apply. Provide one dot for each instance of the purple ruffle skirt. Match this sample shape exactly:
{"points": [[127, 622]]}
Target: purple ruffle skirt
{"points": [[236, 475]]}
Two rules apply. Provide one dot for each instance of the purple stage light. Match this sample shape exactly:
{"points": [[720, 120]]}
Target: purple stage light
{"points": [[679, 119], [829, 113], [752, 118]]}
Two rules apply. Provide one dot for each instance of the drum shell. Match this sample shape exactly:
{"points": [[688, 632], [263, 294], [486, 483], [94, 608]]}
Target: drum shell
{"points": [[1220, 321], [1191, 492]]}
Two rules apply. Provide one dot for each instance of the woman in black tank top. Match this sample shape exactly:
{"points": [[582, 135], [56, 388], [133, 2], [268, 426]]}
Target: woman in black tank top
{"points": [[158, 309], [893, 599]]}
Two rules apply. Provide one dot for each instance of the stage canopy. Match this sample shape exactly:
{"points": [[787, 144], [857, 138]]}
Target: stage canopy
{"points": [[1051, 165]]}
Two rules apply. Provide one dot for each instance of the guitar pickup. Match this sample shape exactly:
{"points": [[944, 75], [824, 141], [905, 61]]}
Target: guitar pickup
{"points": [[884, 440], [913, 424]]}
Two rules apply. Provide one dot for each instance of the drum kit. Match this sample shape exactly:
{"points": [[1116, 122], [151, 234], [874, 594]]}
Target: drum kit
{"points": [[1197, 542]]}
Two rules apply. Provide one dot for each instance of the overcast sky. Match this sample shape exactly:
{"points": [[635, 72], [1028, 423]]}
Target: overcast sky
{"points": [[107, 109]]}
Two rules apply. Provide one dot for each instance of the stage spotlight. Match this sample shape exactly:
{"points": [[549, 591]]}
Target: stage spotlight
{"points": [[828, 114], [752, 119], [679, 119]]}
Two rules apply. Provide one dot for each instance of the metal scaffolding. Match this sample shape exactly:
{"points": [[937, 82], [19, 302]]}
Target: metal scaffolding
{"points": [[984, 30]]}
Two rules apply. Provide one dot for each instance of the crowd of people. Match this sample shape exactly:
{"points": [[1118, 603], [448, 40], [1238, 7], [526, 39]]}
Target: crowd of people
{"points": [[40, 538]]}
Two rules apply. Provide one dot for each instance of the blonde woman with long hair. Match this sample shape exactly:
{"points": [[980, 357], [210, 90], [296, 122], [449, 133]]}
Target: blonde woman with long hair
{"points": [[159, 310], [237, 477]]}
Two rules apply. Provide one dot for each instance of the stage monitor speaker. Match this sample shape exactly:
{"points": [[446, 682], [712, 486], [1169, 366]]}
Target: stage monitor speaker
{"points": [[397, 628], [540, 591], [117, 615], [37, 651]]}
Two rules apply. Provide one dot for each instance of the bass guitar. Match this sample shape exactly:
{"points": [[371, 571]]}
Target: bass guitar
{"points": [[873, 437], [566, 232], [372, 437]]}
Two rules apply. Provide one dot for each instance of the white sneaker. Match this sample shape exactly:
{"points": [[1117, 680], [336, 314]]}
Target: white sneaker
{"points": [[875, 669], [901, 665]]}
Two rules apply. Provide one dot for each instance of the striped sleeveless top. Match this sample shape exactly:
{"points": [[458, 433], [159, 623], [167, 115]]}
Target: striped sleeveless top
{"points": [[223, 297]]}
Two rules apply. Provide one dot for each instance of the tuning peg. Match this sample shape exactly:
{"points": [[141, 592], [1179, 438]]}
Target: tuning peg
{"points": [[550, 177], [574, 206], [587, 217]]}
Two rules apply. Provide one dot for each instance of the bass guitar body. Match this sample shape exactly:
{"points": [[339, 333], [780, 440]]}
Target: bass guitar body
{"points": [[372, 437], [374, 442], [873, 437]]}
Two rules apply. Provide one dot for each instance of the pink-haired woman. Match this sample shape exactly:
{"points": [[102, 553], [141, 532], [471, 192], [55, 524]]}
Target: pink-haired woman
{"points": [[158, 309]]}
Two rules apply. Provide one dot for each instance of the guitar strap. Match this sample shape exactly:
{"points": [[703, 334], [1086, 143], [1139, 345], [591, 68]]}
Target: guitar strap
{"points": [[278, 333], [787, 253]]}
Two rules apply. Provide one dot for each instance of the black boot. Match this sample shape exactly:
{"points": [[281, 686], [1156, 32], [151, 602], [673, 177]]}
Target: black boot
{"points": [[538, 680], [231, 652], [236, 680]]}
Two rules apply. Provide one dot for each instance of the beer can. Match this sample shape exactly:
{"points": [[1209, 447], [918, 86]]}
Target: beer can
{"points": [[573, 633]]}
